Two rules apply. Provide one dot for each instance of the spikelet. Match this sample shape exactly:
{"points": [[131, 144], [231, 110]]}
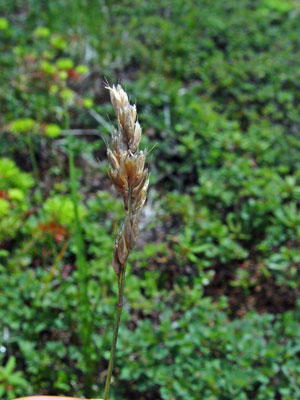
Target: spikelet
{"points": [[127, 172]]}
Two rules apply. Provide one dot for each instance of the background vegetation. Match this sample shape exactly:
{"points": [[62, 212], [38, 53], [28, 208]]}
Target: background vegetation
{"points": [[212, 296]]}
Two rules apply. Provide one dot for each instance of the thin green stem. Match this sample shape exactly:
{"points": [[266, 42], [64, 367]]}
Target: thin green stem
{"points": [[116, 331], [38, 183], [34, 167], [121, 282], [85, 322]]}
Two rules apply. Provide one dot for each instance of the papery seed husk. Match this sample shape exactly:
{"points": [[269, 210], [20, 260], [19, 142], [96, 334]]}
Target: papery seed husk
{"points": [[127, 230], [123, 96], [134, 177], [116, 263], [140, 184], [139, 202], [122, 175], [140, 181], [115, 98], [130, 166], [128, 233], [136, 138], [135, 181], [135, 227], [113, 176], [119, 184], [122, 249], [115, 144], [128, 123], [133, 112], [122, 181], [140, 162], [112, 158], [145, 187], [121, 128], [140, 198]]}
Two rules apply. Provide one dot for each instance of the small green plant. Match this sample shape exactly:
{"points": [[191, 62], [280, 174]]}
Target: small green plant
{"points": [[12, 383], [14, 204]]}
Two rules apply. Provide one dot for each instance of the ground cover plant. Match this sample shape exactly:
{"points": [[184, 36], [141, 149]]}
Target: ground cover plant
{"points": [[212, 295]]}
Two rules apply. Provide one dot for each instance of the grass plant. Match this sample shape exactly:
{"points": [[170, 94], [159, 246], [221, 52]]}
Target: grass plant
{"points": [[130, 178], [85, 326]]}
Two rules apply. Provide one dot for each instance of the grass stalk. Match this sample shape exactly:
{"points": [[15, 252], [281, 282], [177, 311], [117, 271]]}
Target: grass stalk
{"points": [[115, 335], [85, 319], [131, 180], [34, 168]]}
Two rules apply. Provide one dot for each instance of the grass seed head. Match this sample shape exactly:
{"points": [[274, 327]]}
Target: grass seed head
{"points": [[127, 172]]}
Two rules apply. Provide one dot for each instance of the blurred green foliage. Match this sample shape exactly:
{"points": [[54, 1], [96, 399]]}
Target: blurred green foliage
{"points": [[212, 293]]}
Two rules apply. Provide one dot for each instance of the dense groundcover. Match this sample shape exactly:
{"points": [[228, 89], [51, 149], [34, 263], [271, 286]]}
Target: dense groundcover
{"points": [[212, 295]]}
